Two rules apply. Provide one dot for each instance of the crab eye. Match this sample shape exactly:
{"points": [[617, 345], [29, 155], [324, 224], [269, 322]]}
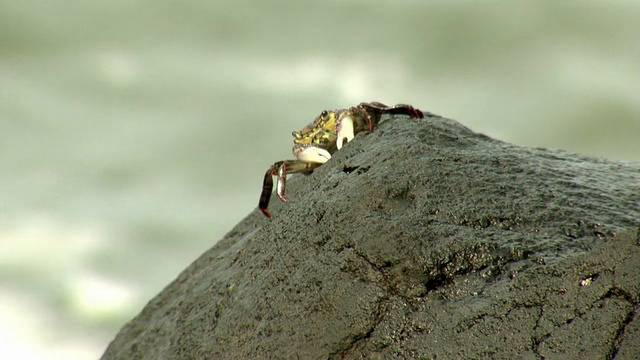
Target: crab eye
{"points": [[296, 134], [324, 113]]}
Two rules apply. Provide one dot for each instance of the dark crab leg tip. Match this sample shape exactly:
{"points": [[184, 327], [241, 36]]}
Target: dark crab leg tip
{"points": [[413, 112], [266, 212]]}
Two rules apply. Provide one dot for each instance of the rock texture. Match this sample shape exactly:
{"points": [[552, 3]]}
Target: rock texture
{"points": [[421, 239]]}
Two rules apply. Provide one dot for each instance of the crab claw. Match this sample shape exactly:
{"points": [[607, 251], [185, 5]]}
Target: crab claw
{"points": [[344, 130], [312, 154]]}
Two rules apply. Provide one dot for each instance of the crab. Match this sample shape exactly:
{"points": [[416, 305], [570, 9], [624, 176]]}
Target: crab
{"points": [[316, 142]]}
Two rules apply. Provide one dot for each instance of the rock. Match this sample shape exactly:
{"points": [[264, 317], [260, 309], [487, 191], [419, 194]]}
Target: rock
{"points": [[421, 239]]}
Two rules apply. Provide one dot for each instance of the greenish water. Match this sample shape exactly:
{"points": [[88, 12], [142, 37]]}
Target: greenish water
{"points": [[135, 134]]}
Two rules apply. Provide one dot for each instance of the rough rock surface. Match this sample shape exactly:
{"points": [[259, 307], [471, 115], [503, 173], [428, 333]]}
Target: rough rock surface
{"points": [[421, 239]]}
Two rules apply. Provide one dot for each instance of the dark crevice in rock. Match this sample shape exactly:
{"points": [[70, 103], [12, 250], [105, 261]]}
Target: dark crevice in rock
{"points": [[349, 169], [620, 333], [616, 292], [359, 170], [356, 341]]}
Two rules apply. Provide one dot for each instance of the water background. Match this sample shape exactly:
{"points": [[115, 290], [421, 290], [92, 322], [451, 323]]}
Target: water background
{"points": [[135, 134]]}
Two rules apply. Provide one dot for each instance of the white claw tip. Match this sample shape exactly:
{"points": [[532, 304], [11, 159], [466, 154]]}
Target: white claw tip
{"points": [[314, 154], [345, 131]]}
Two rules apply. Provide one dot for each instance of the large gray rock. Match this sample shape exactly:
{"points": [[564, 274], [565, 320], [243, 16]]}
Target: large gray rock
{"points": [[420, 239]]}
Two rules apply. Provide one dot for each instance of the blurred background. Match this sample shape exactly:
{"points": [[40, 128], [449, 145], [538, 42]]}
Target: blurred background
{"points": [[135, 134]]}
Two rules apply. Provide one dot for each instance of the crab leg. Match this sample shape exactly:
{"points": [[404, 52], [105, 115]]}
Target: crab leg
{"points": [[267, 187], [400, 109], [403, 109], [280, 170], [282, 182]]}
